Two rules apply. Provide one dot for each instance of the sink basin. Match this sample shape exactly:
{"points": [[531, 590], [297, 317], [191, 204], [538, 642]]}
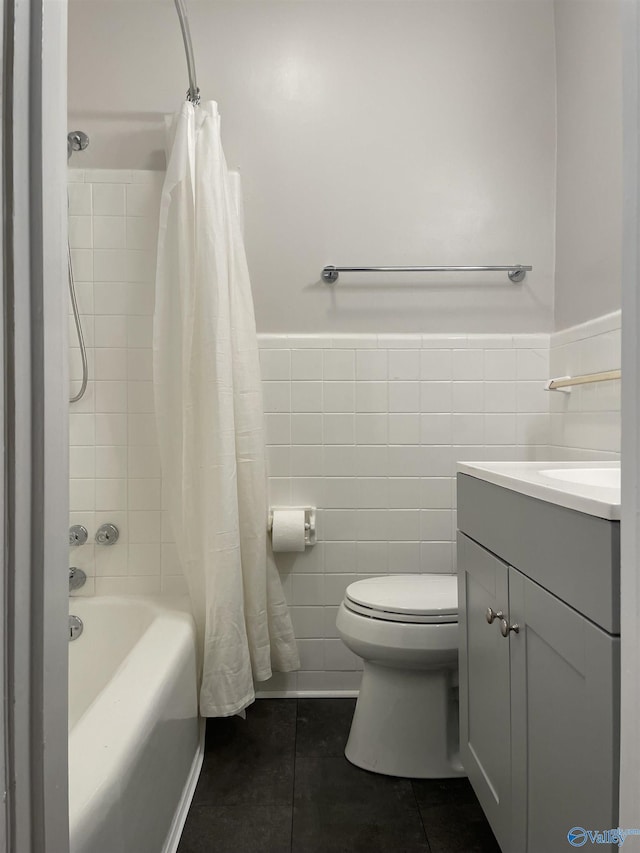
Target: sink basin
{"points": [[608, 478]]}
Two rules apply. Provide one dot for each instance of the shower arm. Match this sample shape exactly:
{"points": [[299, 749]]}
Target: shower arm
{"points": [[193, 94]]}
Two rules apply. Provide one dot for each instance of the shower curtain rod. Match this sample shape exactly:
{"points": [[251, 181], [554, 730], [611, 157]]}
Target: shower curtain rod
{"points": [[193, 94]]}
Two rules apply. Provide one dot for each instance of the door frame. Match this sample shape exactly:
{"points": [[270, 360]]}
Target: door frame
{"points": [[630, 422], [34, 816]]}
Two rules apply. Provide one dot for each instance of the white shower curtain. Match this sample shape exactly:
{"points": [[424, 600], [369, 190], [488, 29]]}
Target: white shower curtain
{"points": [[208, 401]]}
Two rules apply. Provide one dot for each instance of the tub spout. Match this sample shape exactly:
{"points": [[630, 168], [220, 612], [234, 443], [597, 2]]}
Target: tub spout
{"points": [[77, 578]]}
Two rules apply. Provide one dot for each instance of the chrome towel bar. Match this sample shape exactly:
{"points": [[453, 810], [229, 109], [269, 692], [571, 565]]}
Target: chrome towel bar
{"points": [[516, 272], [585, 379]]}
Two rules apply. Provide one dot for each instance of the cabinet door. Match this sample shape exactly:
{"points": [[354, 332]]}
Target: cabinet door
{"points": [[564, 721], [484, 684]]}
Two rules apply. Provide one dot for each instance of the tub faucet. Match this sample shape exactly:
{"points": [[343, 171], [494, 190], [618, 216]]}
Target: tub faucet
{"points": [[77, 578]]}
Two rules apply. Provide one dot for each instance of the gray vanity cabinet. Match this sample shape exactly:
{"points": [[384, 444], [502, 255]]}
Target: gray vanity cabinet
{"points": [[539, 708], [563, 699], [485, 696]]}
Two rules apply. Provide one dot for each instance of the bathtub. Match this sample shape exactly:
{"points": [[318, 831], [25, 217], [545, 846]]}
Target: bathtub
{"points": [[135, 744]]}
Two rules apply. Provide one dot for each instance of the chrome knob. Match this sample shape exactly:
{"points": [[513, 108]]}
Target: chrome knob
{"points": [[505, 628], [77, 578], [75, 627], [77, 140], [78, 534], [493, 614], [107, 534]]}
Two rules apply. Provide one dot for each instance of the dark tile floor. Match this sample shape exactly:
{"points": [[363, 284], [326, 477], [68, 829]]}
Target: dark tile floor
{"points": [[278, 781]]}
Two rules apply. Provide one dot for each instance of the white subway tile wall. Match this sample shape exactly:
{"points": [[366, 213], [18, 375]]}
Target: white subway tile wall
{"points": [[585, 423], [114, 464], [367, 428]]}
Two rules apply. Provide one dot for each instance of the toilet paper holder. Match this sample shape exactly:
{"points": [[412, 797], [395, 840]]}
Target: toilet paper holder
{"points": [[309, 521]]}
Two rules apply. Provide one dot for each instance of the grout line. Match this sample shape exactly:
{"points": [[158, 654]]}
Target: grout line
{"points": [[424, 828], [293, 789]]}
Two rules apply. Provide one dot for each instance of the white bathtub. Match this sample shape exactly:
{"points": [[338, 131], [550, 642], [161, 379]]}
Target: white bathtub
{"points": [[135, 749]]}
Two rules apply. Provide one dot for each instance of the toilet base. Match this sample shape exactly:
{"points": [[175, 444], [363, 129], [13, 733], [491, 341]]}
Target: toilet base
{"points": [[406, 723]]}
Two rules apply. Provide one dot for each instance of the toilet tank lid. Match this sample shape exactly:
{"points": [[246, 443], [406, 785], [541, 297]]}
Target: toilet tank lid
{"points": [[412, 594]]}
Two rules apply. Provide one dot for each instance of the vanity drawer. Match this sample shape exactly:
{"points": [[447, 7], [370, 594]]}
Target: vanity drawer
{"points": [[573, 555]]}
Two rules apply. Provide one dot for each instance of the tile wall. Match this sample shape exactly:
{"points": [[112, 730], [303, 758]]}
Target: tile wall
{"points": [[586, 422], [114, 464], [368, 428]]}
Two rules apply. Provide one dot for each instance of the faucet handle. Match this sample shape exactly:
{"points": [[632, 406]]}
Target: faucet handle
{"points": [[78, 534], [107, 534], [77, 578]]}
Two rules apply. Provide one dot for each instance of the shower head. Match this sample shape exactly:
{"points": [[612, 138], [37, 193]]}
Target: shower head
{"points": [[77, 140]]}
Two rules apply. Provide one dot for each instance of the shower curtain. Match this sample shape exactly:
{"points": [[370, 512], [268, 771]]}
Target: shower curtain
{"points": [[209, 411]]}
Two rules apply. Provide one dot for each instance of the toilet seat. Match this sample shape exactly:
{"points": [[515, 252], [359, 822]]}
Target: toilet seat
{"points": [[416, 599]]}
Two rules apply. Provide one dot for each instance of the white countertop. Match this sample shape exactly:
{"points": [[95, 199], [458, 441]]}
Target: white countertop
{"points": [[598, 494]]}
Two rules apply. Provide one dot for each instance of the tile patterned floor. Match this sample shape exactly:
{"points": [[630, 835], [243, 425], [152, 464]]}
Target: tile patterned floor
{"points": [[278, 782]]}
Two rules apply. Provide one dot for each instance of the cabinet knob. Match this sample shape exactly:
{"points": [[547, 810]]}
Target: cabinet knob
{"points": [[505, 627], [493, 614]]}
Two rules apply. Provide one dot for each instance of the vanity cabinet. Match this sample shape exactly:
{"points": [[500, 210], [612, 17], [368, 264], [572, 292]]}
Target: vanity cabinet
{"points": [[539, 707]]}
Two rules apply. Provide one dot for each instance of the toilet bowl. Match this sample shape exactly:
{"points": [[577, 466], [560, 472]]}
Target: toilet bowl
{"points": [[405, 628]]}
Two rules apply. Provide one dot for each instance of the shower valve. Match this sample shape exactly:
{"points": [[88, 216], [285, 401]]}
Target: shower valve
{"points": [[78, 534], [107, 534], [77, 140], [77, 578]]}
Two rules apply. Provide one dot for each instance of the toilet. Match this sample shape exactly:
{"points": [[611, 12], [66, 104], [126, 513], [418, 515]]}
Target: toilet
{"points": [[405, 628]]}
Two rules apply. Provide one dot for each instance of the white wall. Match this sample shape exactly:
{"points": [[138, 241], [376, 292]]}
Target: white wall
{"points": [[589, 181], [366, 132]]}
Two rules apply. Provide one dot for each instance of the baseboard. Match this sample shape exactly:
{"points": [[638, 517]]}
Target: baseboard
{"points": [[180, 817], [307, 694]]}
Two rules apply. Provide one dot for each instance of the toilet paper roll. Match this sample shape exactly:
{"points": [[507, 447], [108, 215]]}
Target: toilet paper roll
{"points": [[287, 532]]}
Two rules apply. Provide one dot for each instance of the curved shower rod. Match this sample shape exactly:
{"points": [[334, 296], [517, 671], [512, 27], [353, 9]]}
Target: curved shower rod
{"points": [[193, 94]]}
